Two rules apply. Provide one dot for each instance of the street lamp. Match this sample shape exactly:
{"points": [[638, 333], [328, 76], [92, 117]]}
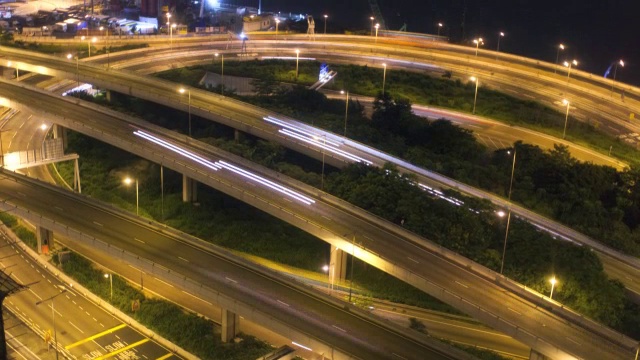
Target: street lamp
{"points": [[277, 23], [128, 181], [477, 41], [371, 18], [501, 213], [475, 97], [173, 26], [326, 268], [440, 25], [69, 57], [110, 277], [500, 36], [181, 91], [53, 316], [324, 144], [297, 59], [325, 24], [566, 117], [569, 64], [346, 110], [615, 70], [222, 72], [384, 76], [560, 47], [553, 282], [377, 27]]}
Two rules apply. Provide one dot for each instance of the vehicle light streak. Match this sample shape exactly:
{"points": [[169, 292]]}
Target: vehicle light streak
{"points": [[298, 130], [266, 182], [225, 165], [176, 149], [287, 58], [319, 144]]}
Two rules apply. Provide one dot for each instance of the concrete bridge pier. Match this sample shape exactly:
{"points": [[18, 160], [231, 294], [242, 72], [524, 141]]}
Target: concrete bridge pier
{"points": [[189, 189], [44, 239], [230, 324], [76, 177], [60, 132], [534, 355], [337, 266], [237, 135]]}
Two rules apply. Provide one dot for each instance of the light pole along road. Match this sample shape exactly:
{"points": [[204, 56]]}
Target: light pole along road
{"points": [[376, 237], [248, 118]]}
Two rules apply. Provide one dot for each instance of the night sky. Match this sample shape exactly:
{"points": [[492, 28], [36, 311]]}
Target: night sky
{"points": [[595, 32]]}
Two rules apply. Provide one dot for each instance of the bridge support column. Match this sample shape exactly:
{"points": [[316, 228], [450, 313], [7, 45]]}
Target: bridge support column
{"points": [[337, 266], [189, 189], [236, 135], [76, 177], [44, 238], [108, 95], [230, 324], [60, 132], [534, 355]]}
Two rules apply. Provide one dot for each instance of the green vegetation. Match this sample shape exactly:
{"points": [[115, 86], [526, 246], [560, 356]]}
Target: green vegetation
{"points": [[26, 235], [186, 329]]}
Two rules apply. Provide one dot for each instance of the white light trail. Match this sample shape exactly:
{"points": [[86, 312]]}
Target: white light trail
{"points": [[302, 346], [298, 129], [188, 154], [319, 144]]}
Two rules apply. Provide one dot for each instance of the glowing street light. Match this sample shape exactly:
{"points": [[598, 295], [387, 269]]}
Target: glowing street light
{"points": [[566, 117], [372, 18], [553, 282], [89, 41], [501, 213], [500, 36], [615, 70], [277, 23], [569, 64], [182, 91], [69, 57], [221, 72], [377, 27], [110, 277], [346, 110], [560, 47], [325, 23], [53, 316], [478, 42], [475, 97], [384, 76], [440, 25], [297, 60], [173, 26], [128, 181]]}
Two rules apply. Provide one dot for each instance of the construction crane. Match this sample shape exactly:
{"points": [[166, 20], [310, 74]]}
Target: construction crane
{"points": [[377, 14]]}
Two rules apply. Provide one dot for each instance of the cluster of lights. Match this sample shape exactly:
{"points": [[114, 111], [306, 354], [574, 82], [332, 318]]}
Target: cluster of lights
{"points": [[320, 141], [219, 165]]}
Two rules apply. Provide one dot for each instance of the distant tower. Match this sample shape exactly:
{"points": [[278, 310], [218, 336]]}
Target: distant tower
{"points": [[312, 26]]}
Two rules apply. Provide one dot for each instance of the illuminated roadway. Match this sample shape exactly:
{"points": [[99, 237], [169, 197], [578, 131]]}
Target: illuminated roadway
{"points": [[442, 269]]}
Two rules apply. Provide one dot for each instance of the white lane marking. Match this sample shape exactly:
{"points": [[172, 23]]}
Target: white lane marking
{"points": [[164, 282], [414, 260], [230, 279], [86, 312], [285, 199], [138, 240], [398, 356], [72, 324], [519, 313], [573, 341], [326, 217], [461, 284], [201, 299], [339, 328], [283, 303], [97, 223], [16, 277], [36, 295], [59, 208], [183, 259]]}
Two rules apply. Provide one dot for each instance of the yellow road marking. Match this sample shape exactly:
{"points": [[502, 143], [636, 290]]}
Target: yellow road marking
{"points": [[123, 349], [165, 357], [93, 337]]}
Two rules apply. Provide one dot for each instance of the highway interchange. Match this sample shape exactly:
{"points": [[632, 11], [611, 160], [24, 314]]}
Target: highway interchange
{"points": [[195, 104]]}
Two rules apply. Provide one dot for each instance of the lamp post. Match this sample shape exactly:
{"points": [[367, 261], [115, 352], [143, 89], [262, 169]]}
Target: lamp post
{"points": [[324, 144], [377, 27], [297, 59], [384, 76], [69, 57], [553, 282], [182, 91], [440, 25], [615, 70], [277, 23], [53, 316], [325, 24], [353, 255], [569, 64], [326, 268], [128, 181], [173, 26], [371, 18], [346, 110], [501, 214], [500, 36], [475, 97], [477, 41], [560, 47], [110, 277], [566, 117], [221, 73]]}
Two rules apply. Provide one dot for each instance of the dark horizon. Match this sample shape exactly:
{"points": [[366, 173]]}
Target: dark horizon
{"points": [[596, 34]]}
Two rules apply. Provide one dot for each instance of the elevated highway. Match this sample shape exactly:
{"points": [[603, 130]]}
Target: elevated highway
{"points": [[542, 324]]}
